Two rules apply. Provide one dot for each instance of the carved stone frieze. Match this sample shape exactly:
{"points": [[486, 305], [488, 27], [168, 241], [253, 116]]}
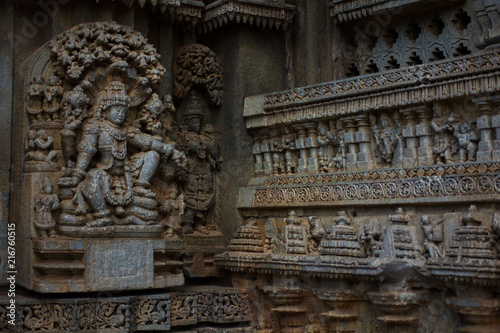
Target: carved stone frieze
{"points": [[135, 313]]}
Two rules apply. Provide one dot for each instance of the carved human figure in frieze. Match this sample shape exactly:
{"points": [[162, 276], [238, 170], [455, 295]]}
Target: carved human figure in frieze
{"points": [[467, 142], [106, 175], [173, 208], [331, 149], [38, 147], [45, 203], [276, 147], [288, 145], [371, 236], [387, 138], [150, 117], [317, 231], [203, 160], [433, 233], [444, 126]]}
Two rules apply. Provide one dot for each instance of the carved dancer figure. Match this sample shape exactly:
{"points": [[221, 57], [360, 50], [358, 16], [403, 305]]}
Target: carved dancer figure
{"points": [[467, 142], [46, 202], [326, 141], [443, 126], [203, 159], [386, 139], [288, 145], [433, 233], [38, 147], [114, 178], [317, 231]]}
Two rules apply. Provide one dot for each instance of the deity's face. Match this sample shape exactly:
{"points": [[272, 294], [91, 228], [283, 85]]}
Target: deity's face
{"points": [[194, 125], [117, 114]]}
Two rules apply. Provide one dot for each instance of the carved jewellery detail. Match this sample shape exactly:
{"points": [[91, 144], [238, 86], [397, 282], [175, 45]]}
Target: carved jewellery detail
{"points": [[197, 65]]}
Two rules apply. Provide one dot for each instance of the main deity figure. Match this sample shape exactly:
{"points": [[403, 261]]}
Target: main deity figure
{"points": [[114, 166]]}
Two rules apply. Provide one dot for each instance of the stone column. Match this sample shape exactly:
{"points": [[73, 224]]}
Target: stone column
{"points": [[495, 123], [424, 134], [365, 158], [312, 144], [259, 157], [300, 144], [350, 142], [265, 149], [485, 146], [410, 138]]}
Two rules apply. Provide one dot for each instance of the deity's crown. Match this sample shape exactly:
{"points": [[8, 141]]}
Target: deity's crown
{"points": [[192, 108], [114, 94]]}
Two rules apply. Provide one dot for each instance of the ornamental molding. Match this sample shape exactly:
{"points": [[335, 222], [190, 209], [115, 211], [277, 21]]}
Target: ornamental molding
{"points": [[452, 183], [265, 14], [349, 10], [464, 76]]}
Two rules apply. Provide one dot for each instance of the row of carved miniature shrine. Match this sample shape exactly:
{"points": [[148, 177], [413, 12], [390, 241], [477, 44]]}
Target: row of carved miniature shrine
{"points": [[445, 132], [473, 234]]}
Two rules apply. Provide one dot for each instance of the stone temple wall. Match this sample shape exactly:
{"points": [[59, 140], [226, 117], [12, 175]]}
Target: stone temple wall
{"points": [[250, 166]]}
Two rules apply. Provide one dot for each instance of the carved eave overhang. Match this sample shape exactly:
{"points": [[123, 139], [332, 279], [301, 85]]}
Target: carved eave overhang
{"points": [[351, 10], [293, 264], [471, 75], [263, 14], [188, 12]]}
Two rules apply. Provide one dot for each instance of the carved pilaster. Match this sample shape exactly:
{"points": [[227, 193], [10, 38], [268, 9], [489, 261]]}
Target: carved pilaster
{"points": [[480, 310], [410, 138], [312, 144], [350, 141], [495, 123], [289, 309], [265, 149], [365, 158], [485, 146], [424, 134], [258, 155], [343, 316], [300, 143]]}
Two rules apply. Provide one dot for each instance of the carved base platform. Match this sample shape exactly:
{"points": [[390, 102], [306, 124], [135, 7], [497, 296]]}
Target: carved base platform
{"points": [[200, 250], [58, 265]]}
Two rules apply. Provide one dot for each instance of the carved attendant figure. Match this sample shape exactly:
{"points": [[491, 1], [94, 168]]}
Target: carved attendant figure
{"points": [[467, 142], [203, 158], [45, 203]]}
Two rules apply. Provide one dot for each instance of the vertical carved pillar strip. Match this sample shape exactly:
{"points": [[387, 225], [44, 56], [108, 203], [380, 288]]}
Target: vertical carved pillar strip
{"points": [[350, 141], [267, 164], [410, 137], [364, 156], [423, 132], [484, 125], [312, 144], [300, 144], [495, 123]]}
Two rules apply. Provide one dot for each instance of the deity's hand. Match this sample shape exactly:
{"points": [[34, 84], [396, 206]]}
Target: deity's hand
{"points": [[69, 181], [179, 158]]}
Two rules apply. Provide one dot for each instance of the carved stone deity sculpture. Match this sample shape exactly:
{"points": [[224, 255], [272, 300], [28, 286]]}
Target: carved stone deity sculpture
{"points": [[386, 139], [46, 202], [444, 127], [107, 175], [203, 159], [433, 232]]}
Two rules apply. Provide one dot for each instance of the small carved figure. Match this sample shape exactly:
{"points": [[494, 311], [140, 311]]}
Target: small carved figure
{"points": [[467, 142], [173, 207], [74, 111], [433, 233], [288, 145], [38, 147], [151, 117], [370, 236], [45, 203], [203, 159], [386, 139], [317, 231], [276, 147], [443, 126], [53, 94], [36, 95], [327, 142]]}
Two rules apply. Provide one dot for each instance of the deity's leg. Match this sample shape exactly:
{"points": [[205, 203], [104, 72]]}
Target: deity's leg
{"points": [[151, 160], [93, 189]]}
